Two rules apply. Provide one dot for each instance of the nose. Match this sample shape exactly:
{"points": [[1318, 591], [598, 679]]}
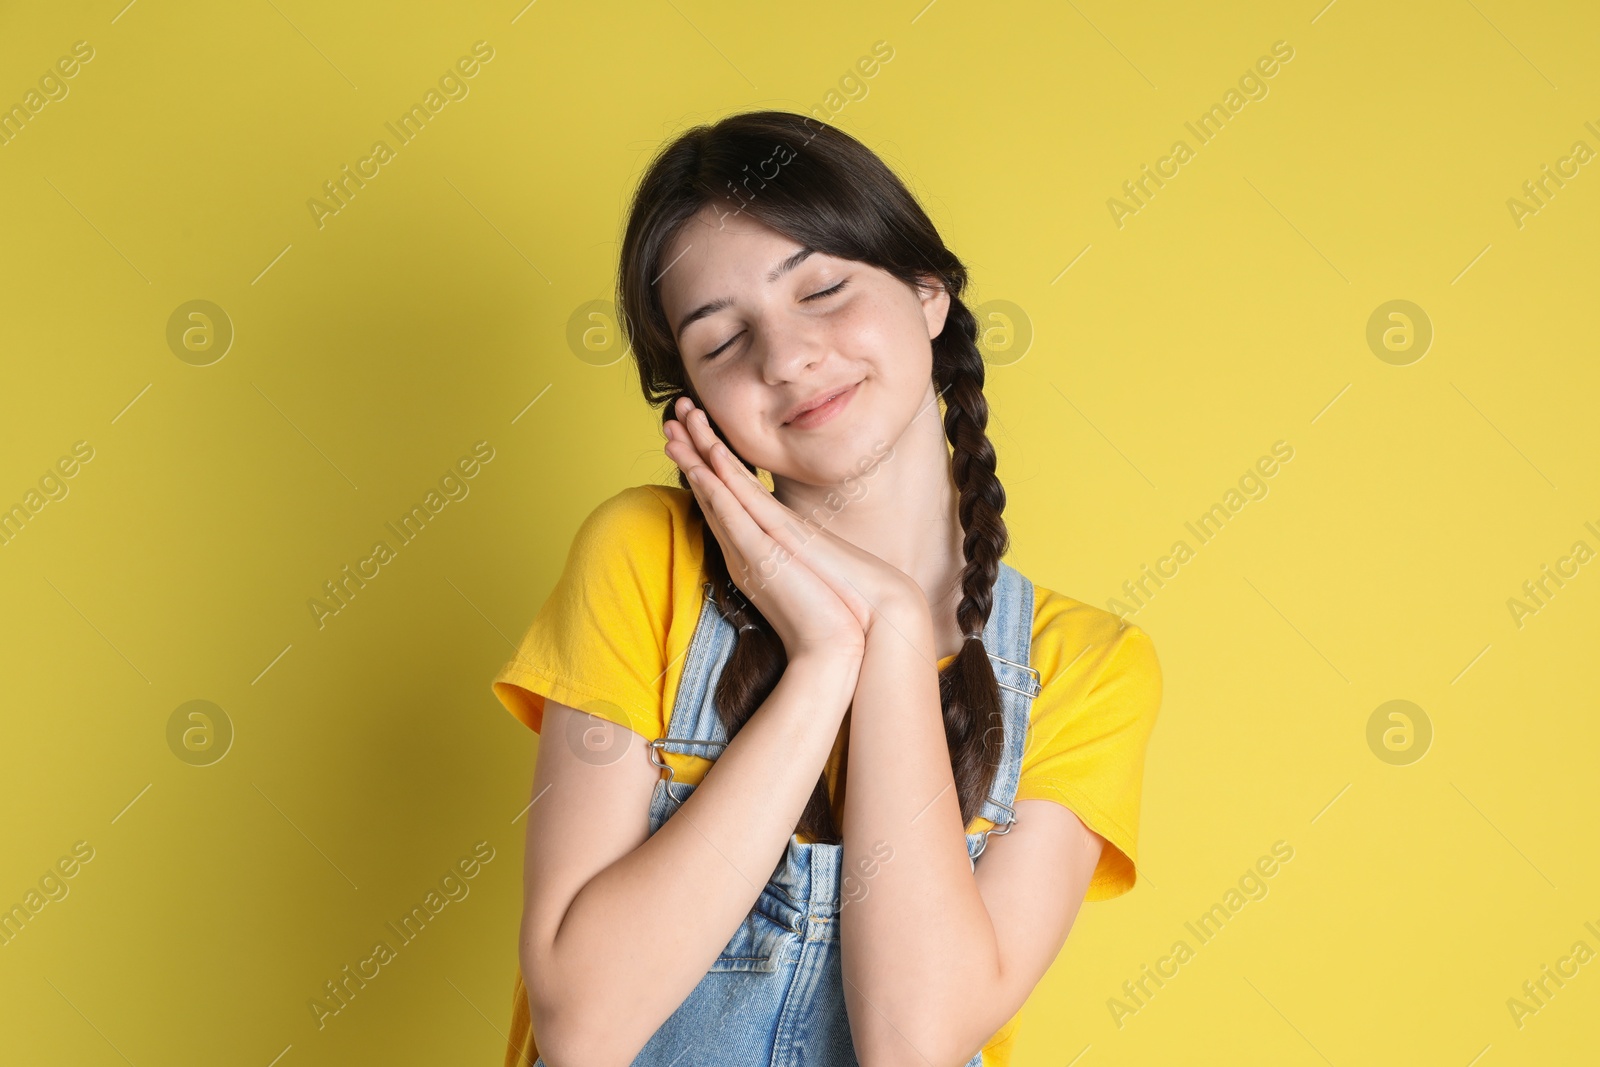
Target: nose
{"points": [[790, 350]]}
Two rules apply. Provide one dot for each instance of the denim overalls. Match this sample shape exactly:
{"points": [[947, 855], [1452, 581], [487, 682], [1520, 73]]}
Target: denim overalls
{"points": [[775, 997]]}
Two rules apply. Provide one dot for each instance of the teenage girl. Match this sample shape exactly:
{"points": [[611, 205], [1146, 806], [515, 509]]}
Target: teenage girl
{"points": [[718, 660]]}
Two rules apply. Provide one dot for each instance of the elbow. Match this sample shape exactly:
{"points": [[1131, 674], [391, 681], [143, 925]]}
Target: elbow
{"points": [[565, 1041], [574, 1022], [559, 1035], [548, 1033], [921, 1045], [547, 1014], [567, 1028]]}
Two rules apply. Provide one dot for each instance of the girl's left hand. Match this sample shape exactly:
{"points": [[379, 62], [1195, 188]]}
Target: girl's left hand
{"points": [[861, 579]]}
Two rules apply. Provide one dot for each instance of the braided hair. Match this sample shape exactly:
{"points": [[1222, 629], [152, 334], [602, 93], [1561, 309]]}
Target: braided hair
{"points": [[831, 193]]}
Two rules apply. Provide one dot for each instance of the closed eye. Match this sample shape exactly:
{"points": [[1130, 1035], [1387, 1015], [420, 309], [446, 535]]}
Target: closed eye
{"points": [[829, 292], [813, 296]]}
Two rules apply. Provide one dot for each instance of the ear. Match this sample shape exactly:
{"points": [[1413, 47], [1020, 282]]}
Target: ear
{"points": [[935, 303]]}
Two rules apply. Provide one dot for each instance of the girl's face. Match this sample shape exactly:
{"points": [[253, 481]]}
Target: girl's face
{"points": [[765, 328]]}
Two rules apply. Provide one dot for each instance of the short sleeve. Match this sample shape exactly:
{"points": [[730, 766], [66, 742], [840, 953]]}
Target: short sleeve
{"points": [[598, 643], [1090, 726]]}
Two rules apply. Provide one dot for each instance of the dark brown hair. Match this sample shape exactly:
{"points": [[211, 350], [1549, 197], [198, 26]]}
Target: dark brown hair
{"points": [[831, 193]]}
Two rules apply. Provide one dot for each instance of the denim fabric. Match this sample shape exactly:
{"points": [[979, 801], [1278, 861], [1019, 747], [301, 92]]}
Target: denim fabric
{"points": [[775, 996]]}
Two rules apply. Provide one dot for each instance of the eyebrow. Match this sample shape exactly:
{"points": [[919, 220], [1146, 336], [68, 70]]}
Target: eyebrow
{"points": [[714, 306]]}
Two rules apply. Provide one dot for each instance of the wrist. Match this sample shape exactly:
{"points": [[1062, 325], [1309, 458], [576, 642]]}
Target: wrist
{"points": [[904, 610], [841, 658], [829, 674]]}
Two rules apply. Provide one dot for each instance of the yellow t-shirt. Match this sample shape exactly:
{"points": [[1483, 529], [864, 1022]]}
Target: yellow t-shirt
{"points": [[612, 637]]}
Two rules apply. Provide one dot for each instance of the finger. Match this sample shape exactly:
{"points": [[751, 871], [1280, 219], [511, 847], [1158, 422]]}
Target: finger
{"points": [[677, 431], [733, 470], [799, 539], [830, 557], [680, 448], [682, 410], [758, 501], [780, 523], [681, 452], [742, 488], [730, 552], [705, 484], [731, 467], [749, 540], [771, 514], [698, 425]]}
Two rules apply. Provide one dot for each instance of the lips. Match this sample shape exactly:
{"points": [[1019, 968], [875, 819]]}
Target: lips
{"points": [[817, 401]]}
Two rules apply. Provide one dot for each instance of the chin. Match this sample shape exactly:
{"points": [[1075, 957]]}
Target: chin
{"points": [[857, 457]]}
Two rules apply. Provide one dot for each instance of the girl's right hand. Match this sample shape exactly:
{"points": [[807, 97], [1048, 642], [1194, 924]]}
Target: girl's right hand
{"points": [[805, 612]]}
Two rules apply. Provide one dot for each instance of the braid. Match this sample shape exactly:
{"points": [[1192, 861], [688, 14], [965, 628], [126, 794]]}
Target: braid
{"points": [[974, 725]]}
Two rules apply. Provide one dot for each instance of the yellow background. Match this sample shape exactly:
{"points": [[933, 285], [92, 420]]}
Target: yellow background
{"points": [[1227, 314]]}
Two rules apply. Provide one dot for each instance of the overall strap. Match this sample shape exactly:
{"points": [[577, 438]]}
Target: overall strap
{"points": [[1008, 639], [694, 728]]}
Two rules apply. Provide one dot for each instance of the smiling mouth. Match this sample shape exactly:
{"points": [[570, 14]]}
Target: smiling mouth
{"points": [[824, 411]]}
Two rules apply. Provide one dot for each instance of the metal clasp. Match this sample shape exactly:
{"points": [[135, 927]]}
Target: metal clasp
{"points": [[656, 747], [1021, 667], [739, 599], [1008, 824]]}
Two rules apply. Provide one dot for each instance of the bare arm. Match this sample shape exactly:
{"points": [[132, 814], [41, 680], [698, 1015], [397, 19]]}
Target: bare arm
{"points": [[937, 955], [606, 952]]}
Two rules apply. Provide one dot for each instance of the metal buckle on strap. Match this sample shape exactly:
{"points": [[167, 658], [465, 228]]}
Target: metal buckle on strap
{"points": [[983, 842], [1009, 823], [1021, 667], [740, 601], [657, 745]]}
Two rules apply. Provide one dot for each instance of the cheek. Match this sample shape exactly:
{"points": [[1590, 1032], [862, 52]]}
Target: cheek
{"points": [[739, 416], [863, 337], [889, 332], [889, 347]]}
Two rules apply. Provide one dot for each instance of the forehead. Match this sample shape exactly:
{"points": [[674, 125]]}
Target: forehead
{"points": [[712, 256]]}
